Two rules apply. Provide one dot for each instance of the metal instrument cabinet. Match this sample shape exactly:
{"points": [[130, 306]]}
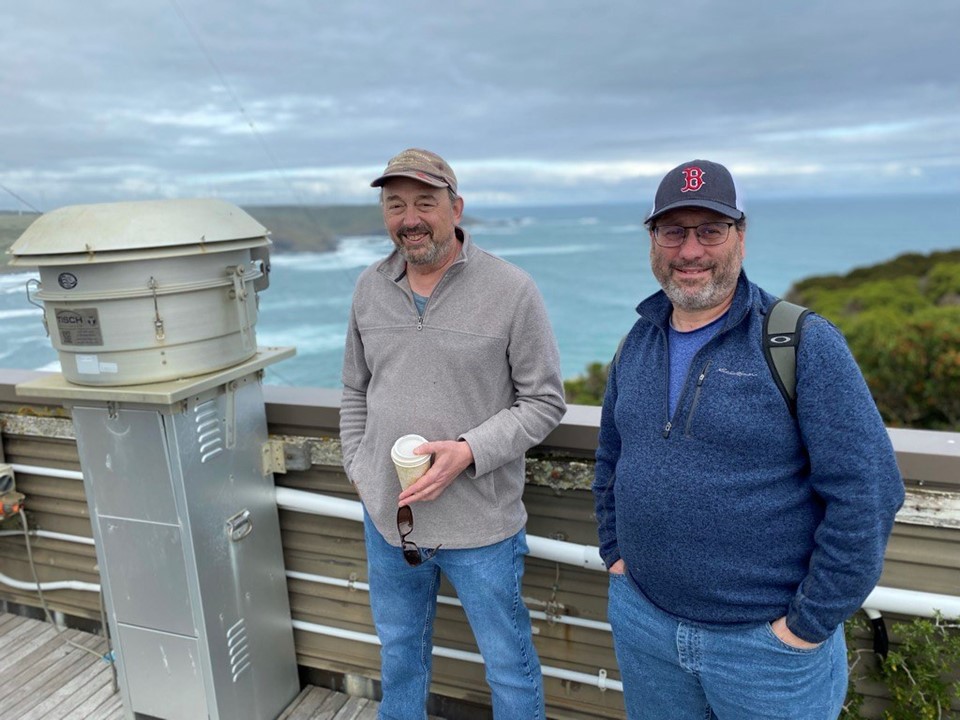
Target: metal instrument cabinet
{"points": [[187, 535]]}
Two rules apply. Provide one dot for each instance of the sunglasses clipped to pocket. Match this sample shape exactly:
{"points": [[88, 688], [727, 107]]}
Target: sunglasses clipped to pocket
{"points": [[411, 553]]}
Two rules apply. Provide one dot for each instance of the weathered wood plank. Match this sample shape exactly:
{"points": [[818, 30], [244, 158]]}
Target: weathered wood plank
{"points": [[357, 709], [305, 704], [46, 678], [46, 674], [68, 692]]}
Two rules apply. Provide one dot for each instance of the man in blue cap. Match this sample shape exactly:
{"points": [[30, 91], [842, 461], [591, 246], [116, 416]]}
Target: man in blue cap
{"points": [[739, 531]]}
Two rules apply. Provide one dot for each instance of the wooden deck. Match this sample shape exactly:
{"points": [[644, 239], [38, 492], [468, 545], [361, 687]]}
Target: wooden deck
{"points": [[42, 677]]}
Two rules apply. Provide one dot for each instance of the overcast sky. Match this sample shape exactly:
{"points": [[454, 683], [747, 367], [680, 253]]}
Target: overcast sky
{"points": [[532, 102]]}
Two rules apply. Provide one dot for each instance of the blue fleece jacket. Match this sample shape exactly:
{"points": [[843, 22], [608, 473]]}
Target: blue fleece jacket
{"points": [[732, 510]]}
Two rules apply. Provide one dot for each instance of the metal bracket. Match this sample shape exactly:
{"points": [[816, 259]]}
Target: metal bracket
{"points": [[230, 414], [273, 457]]}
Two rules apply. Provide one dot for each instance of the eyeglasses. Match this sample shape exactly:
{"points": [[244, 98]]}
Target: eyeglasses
{"points": [[411, 553], [713, 233]]}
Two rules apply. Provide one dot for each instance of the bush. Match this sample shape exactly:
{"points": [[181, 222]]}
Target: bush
{"points": [[911, 364], [587, 389], [919, 672], [942, 284]]}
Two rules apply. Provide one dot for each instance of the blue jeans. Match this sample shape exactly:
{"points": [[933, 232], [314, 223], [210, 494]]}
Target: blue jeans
{"points": [[675, 670], [404, 603]]}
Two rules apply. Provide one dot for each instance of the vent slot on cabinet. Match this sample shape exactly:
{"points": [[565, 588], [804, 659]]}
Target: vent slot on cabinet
{"points": [[209, 430], [238, 649]]}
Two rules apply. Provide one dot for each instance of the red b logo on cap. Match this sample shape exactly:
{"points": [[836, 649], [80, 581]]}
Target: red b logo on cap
{"points": [[693, 177]]}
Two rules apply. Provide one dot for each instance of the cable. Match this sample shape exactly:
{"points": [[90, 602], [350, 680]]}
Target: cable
{"points": [[298, 199], [11, 192], [43, 600], [109, 657]]}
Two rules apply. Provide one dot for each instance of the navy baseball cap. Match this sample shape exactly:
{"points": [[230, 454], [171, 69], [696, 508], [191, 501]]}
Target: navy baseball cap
{"points": [[698, 183]]}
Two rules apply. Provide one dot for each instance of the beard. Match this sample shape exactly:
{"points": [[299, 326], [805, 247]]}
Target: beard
{"points": [[430, 252], [719, 286]]}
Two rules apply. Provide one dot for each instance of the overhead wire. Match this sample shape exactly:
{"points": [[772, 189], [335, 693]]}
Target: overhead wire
{"points": [[234, 96], [252, 125], [15, 195]]}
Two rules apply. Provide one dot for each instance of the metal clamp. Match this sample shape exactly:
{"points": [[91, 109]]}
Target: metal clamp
{"points": [[238, 293], [239, 526], [158, 321], [36, 283]]}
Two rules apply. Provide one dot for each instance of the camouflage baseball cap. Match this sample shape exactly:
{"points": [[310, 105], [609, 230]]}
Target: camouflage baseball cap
{"points": [[422, 165]]}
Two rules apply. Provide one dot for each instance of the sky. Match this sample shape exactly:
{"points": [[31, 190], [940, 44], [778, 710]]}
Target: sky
{"points": [[532, 102]]}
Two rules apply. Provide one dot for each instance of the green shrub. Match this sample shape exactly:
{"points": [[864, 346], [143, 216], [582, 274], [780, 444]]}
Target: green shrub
{"points": [[912, 265], [587, 389], [919, 672], [900, 295], [941, 286], [911, 364]]}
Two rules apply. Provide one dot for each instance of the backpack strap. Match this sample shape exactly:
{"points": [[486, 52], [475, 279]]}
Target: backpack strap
{"points": [[616, 355], [781, 335]]}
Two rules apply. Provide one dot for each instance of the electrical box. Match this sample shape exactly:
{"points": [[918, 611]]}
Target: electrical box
{"points": [[187, 535]]}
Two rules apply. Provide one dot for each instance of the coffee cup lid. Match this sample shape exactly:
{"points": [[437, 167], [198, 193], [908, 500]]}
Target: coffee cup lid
{"points": [[404, 446]]}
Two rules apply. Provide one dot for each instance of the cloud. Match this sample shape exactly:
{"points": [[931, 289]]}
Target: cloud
{"points": [[532, 101]]}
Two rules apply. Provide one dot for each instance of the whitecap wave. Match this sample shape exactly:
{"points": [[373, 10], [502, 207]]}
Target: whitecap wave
{"points": [[50, 367], [351, 252], [541, 250], [482, 231], [305, 301]]}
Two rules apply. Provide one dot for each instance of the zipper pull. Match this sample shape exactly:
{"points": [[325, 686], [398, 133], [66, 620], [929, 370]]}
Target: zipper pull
{"points": [[701, 378], [667, 428], [420, 322]]}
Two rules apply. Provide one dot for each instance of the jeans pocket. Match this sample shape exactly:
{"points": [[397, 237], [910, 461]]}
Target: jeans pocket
{"points": [[617, 578], [772, 636]]}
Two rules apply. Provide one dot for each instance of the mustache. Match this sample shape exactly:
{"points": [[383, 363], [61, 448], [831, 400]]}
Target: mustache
{"points": [[692, 266], [420, 229]]}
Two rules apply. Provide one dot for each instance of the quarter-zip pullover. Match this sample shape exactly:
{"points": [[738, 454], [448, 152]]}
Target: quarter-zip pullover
{"points": [[730, 510], [480, 364]]}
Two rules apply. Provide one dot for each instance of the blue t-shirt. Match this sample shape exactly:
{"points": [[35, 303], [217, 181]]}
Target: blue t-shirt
{"points": [[683, 346], [421, 302]]}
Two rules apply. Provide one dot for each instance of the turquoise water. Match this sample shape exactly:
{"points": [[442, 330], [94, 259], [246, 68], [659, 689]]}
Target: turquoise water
{"points": [[589, 261]]}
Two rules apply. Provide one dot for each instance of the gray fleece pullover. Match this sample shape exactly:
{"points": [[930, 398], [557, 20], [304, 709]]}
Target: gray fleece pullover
{"points": [[481, 365]]}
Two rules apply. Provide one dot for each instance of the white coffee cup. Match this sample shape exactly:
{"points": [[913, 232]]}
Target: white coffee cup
{"points": [[410, 467]]}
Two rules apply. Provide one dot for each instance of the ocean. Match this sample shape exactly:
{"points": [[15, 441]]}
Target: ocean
{"points": [[590, 262]]}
